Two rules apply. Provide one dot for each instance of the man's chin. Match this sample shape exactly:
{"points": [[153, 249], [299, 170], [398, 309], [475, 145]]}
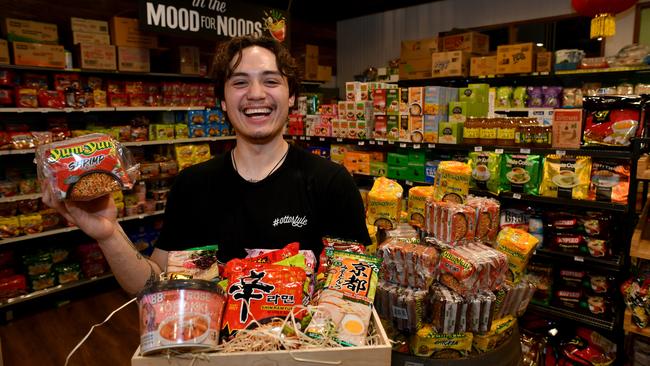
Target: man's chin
{"points": [[261, 137]]}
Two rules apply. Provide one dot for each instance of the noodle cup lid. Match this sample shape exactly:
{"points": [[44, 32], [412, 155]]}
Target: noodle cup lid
{"points": [[201, 285]]}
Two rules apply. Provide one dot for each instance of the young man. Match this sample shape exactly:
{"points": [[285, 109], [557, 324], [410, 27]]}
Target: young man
{"points": [[262, 194]]}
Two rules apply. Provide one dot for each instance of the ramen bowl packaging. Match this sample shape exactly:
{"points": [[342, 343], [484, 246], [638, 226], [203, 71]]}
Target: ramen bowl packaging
{"points": [[486, 168], [86, 167], [518, 246], [180, 316], [520, 173], [452, 182], [416, 204], [384, 203], [566, 177], [612, 120], [610, 181]]}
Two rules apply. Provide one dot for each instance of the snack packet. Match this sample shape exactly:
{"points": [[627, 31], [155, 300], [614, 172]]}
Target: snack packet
{"points": [[194, 263]]}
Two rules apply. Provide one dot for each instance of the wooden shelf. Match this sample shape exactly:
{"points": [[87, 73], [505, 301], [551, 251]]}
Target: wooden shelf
{"points": [[630, 327], [21, 197], [640, 245]]}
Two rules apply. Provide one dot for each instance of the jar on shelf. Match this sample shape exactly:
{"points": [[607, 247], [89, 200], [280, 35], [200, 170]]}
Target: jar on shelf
{"points": [[488, 132], [506, 131], [472, 131]]}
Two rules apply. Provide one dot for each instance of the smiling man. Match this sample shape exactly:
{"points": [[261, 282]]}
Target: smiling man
{"points": [[262, 194]]}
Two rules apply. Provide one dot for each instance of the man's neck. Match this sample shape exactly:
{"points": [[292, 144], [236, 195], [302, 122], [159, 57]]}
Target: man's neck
{"points": [[255, 160]]}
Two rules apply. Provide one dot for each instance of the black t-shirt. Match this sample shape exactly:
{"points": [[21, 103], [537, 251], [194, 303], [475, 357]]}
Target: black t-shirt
{"points": [[306, 198]]}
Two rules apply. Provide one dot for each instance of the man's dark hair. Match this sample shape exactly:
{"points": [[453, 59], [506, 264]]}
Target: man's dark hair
{"points": [[232, 49]]}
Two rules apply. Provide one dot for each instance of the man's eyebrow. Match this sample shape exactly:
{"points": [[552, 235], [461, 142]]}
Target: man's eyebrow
{"points": [[265, 73]]}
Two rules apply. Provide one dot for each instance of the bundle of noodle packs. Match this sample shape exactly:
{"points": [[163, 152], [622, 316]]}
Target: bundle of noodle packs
{"points": [[384, 203], [416, 204], [452, 182]]}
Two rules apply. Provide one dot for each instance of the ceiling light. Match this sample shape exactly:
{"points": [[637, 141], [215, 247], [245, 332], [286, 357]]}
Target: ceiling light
{"points": [[540, 44], [599, 38]]}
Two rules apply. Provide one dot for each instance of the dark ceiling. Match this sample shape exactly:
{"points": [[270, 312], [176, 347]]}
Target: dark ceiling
{"points": [[335, 10]]}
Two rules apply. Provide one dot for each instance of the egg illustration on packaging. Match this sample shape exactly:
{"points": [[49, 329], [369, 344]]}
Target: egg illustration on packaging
{"points": [[352, 324]]}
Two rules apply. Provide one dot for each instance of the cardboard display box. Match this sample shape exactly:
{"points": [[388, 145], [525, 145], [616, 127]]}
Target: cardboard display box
{"points": [[190, 60], [88, 25], [90, 38], [445, 64], [126, 32], [311, 62], [36, 54], [473, 42], [377, 355], [515, 58], [4, 52], [18, 30], [416, 68], [567, 128], [483, 66], [543, 61], [420, 48], [96, 56], [133, 59]]}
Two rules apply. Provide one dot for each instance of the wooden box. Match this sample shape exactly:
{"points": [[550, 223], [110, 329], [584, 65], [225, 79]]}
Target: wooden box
{"points": [[445, 64], [469, 42], [377, 355], [483, 66], [515, 58]]}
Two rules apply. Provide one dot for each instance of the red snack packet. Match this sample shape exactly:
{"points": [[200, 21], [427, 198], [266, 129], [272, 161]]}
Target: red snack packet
{"points": [[260, 291], [289, 250]]}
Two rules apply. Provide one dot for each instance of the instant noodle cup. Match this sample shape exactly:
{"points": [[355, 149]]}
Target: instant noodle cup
{"points": [[180, 316], [452, 182], [86, 167], [384, 203]]}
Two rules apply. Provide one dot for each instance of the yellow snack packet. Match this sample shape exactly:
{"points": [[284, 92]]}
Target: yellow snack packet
{"points": [[518, 246], [501, 329], [416, 204], [566, 177], [427, 343], [452, 182], [384, 203]]}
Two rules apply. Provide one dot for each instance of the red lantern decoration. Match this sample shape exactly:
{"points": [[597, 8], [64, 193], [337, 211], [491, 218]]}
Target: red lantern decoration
{"points": [[602, 12]]}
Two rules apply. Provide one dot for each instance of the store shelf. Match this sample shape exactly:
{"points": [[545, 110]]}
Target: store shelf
{"points": [[560, 313], [21, 197], [598, 152], [72, 228], [105, 72], [153, 109], [597, 72], [607, 206], [630, 327], [52, 290], [100, 109], [17, 152], [640, 244], [613, 263], [178, 141]]}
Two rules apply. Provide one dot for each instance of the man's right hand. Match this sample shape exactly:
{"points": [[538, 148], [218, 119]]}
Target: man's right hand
{"points": [[97, 218]]}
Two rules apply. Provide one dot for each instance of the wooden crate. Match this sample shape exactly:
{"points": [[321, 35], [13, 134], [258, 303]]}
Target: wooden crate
{"points": [[377, 355]]}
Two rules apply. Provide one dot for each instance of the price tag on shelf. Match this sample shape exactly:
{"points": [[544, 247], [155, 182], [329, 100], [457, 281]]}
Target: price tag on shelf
{"points": [[578, 258], [431, 146], [302, 138], [498, 151], [308, 138], [516, 196], [294, 137], [416, 146], [380, 143], [560, 152], [478, 148], [524, 151], [408, 183], [321, 139], [402, 144], [391, 142], [371, 142], [361, 143], [338, 139]]}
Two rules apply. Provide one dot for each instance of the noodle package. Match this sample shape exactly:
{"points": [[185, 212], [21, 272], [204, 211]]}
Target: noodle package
{"points": [[452, 182], [486, 168], [520, 173], [384, 203], [86, 167], [416, 204], [566, 177]]}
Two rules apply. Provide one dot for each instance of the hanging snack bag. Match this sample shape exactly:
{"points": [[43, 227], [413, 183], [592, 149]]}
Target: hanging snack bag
{"points": [[610, 181], [520, 173], [486, 167], [86, 167], [612, 120], [260, 292], [416, 204], [566, 177], [452, 182], [384, 203]]}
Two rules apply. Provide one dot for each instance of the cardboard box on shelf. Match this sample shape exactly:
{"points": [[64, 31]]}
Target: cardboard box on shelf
{"points": [[543, 61], [189, 59], [324, 73], [311, 62], [96, 56], [4, 52], [133, 59], [473, 42], [36, 54], [88, 25], [567, 128], [19, 30], [415, 68], [419, 48], [515, 58], [483, 66], [445, 64], [90, 38], [126, 32]]}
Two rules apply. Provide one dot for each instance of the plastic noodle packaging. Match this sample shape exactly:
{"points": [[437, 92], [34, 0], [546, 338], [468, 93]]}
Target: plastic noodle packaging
{"points": [[518, 246], [416, 203], [86, 167], [452, 181], [384, 203], [195, 263], [408, 264]]}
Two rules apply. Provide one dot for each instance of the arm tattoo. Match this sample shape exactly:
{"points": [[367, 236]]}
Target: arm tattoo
{"points": [[138, 255]]}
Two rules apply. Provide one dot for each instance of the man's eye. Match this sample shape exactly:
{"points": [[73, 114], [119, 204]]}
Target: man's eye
{"points": [[272, 82], [239, 83]]}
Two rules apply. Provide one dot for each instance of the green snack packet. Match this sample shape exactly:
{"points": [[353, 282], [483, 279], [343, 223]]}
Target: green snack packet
{"points": [[486, 170], [519, 97], [520, 173]]}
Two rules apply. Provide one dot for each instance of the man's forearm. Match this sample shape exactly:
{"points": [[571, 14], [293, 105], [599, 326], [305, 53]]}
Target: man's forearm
{"points": [[131, 269]]}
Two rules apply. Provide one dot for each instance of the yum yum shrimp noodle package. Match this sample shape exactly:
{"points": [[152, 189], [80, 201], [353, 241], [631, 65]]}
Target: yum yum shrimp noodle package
{"points": [[86, 167]]}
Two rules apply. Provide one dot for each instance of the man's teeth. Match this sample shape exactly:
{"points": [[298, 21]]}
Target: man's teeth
{"points": [[257, 111]]}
